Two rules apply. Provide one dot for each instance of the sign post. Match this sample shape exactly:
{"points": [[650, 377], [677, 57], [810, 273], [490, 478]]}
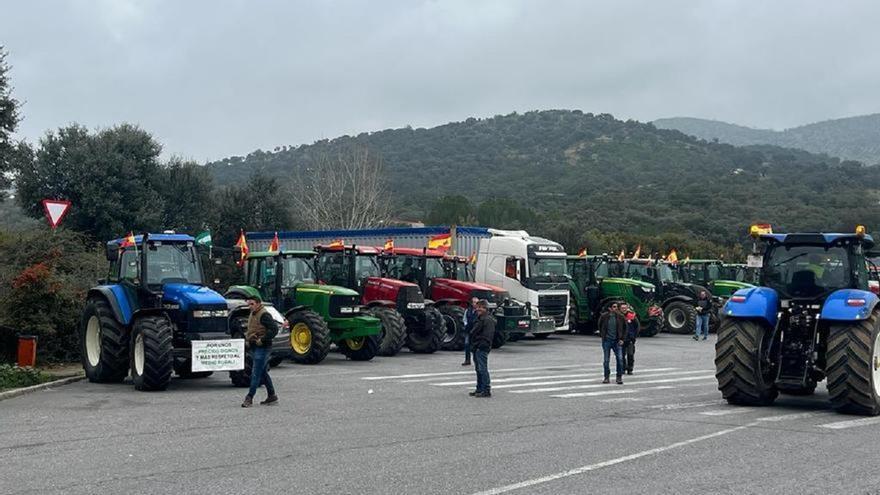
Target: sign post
{"points": [[55, 210]]}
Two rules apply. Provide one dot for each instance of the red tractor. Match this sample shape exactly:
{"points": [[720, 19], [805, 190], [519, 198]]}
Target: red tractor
{"points": [[445, 281], [405, 314]]}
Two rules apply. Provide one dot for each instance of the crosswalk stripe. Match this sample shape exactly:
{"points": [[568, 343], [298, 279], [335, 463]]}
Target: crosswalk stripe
{"points": [[596, 394], [588, 379], [468, 372], [852, 423], [499, 373], [729, 411], [684, 405], [785, 417], [545, 377], [597, 385]]}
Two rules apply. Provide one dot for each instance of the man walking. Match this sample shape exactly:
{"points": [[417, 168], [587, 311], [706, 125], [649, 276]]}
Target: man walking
{"points": [[470, 318], [632, 333], [704, 308], [261, 329], [612, 328], [481, 341]]}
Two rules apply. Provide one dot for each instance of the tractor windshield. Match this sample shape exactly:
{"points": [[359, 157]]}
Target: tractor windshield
{"points": [[297, 270], [804, 271], [172, 264], [365, 266]]}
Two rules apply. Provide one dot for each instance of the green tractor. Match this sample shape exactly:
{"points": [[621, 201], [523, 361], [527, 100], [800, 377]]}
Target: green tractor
{"points": [[713, 275], [593, 291], [318, 314], [741, 273]]}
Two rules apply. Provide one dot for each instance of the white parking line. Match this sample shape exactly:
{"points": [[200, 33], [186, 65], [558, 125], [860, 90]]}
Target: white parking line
{"points": [[593, 379], [729, 411], [581, 377], [852, 423], [618, 391], [785, 417], [684, 405], [468, 372], [582, 370], [597, 385]]}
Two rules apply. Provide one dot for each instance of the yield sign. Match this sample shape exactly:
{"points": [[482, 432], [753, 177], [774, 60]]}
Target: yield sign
{"points": [[55, 210]]}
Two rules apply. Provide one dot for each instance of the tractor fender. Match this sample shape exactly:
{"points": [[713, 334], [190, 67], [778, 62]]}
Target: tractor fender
{"points": [[381, 302], [140, 313], [235, 292], [116, 298], [296, 309], [836, 306], [429, 303], [681, 298], [449, 302], [607, 300], [760, 303]]}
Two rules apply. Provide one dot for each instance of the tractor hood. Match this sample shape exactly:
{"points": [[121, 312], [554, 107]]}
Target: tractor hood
{"points": [[187, 295], [628, 281], [732, 284], [466, 286], [333, 290]]}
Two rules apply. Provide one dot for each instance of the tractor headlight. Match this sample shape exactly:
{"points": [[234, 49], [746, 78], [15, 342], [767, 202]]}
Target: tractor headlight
{"points": [[205, 313], [346, 310]]}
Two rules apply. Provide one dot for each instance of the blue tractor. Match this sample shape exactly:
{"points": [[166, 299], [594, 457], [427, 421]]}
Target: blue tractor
{"points": [[144, 317], [812, 318]]}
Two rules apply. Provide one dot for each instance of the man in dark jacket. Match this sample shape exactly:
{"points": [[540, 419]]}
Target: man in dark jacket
{"points": [[470, 319], [481, 341], [704, 309], [632, 333], [612, 330], [261, 329]]}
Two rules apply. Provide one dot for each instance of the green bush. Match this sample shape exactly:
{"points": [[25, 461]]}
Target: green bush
{"points": [[15, 377]]}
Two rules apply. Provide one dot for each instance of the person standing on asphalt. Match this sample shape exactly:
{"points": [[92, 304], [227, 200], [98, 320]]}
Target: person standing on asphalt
{"points": [[470, 318], [612, 328], [481, 341], [261, 329], [632, 333], [704, 308]]}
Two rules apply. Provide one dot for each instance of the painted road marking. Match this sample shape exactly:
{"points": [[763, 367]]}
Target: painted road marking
{"points": [[468, 372], [852, 423], [729, 411], [685, 405], [580, 378], [593, 380], [597, 385]]}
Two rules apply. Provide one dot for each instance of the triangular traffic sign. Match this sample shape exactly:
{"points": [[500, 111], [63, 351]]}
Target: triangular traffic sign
{"points": [[55, 210]]}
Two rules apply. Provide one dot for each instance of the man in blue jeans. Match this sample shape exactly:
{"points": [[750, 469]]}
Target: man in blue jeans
{"points": [[704, 308], [261, 329], [481, 340], [470, 319], [612, 331]]}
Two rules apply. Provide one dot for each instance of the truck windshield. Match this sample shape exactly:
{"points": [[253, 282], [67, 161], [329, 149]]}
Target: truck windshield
{"points": [[547, 268], [172, 263], [806, 271], [297, 270]]}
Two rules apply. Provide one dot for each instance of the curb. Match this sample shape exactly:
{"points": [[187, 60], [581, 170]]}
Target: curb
{"points": [[26, 390]]}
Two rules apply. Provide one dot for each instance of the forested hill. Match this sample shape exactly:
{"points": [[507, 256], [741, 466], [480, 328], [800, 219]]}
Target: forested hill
{"points": [[581, 171], [852, 138]]}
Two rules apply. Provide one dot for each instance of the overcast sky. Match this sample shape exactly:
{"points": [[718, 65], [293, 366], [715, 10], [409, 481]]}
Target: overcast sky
{"points": [[212, 79]]}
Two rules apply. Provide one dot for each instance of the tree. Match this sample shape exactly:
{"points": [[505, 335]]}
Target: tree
{"points": [[9, 118], [452, 210], [345, 190], [187, 192], [259, 204], [504, 213]]}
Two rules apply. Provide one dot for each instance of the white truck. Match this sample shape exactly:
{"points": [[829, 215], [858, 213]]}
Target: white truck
{"points": [[532, 270]]}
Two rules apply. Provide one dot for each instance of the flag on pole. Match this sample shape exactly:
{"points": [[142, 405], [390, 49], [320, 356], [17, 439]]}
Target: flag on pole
{"points": [[583, 253], [440, 242], [275, 245], [389, 245], [204, 239], [621, 256], [672, 257], [242, 245], [128, 241], [638, 252], [336, 244]]}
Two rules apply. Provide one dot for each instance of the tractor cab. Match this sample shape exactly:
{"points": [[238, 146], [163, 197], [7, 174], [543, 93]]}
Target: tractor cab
{"points": [[458, 268], [712, 274]]}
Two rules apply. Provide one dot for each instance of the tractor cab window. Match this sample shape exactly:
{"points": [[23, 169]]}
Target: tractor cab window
{"points": [[806, 271], [434, 268], [602, 269], [403, 267], [172, 263], [333, 268], [714, 272], [297, 271], [128, 265], [366, 267]]}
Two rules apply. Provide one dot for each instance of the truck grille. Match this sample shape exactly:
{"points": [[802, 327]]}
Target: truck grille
{"points": [[555, 306]]}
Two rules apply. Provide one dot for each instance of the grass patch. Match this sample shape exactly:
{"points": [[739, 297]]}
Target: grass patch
{"points": [[15, 377]]}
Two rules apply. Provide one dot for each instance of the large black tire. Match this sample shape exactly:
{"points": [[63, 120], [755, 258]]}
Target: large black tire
{"points": [[361, 348], [679, 317], [453, 320], [108, 362], [499, 338], [184, 370], [241, 378], [393, 334], [744, 378], [152, 353], [852, 356], [309, 337], [425, 334], [651, 328]]}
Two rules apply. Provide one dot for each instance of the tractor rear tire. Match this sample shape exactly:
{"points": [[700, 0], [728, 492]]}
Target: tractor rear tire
{"points": [[309, 337], [393, 333], [242, 377], [499, 338], [360, 348], [152, 353], [743, 378], [679, 317], [426, 333], [103, 344], [853, 355], [453, 319]]}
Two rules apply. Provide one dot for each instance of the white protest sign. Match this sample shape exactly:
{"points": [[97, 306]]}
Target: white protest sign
{"points": [[755, 261], [218, 355]]}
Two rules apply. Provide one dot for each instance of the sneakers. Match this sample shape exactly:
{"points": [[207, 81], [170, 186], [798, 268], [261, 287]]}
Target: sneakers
{"points": [[473, 394], [483, 394], [466, 363], [695, 337], [619, 380], [248, 401], [271, 400], [606, 380], [629, 372]]}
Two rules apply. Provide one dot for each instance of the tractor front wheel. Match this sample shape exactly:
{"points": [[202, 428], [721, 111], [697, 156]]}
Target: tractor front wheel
{"points": [[745, 376], [152, 356], [103, 344], [426, 333], [854, 366], [359, 348], [453, 319], [309, 337], [679, 317], [242, 377], [393, 333]]}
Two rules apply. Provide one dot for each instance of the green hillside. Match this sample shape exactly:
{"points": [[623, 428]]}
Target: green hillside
{"points": [[852, 138], [581, 171]]}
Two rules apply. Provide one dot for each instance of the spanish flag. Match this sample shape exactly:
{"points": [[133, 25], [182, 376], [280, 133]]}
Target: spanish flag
{"points": [[128, 241], [621, 256], [242, 245], [440, 242], [672, 257], [336, 244], [583, 253], [638, 252], [275, 245], [389, 245]]}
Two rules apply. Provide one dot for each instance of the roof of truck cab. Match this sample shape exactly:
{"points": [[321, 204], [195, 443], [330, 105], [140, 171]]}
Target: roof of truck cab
{"points": [[139, 239], [817, 238]]}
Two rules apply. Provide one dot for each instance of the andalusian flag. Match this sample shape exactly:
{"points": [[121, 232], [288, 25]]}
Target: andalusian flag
{"points": [[638, 252], [275, 245], [242, 245], [583, 253], [440, 242], [336, 244], [204, 239], [128, 241], [389, 245]]}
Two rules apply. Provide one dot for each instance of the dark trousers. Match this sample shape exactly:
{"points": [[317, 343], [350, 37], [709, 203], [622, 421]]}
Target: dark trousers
{"points": [[607, 347], [481, 365], [260, 371], [629, 354], [467, 348]]}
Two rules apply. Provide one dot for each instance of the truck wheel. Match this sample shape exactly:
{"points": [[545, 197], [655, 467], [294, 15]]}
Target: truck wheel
{"points": [[184, 370], [103, 344], [309, 337], [853, 359], [453, 319], [359, 348], [679, 317], [393, 332], [744, 377], [241, 378], [499, 338], [426, 333], [152, 353]]}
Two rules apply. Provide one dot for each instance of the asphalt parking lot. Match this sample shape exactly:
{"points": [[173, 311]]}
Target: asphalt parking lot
{"points": [[406, 425]]}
